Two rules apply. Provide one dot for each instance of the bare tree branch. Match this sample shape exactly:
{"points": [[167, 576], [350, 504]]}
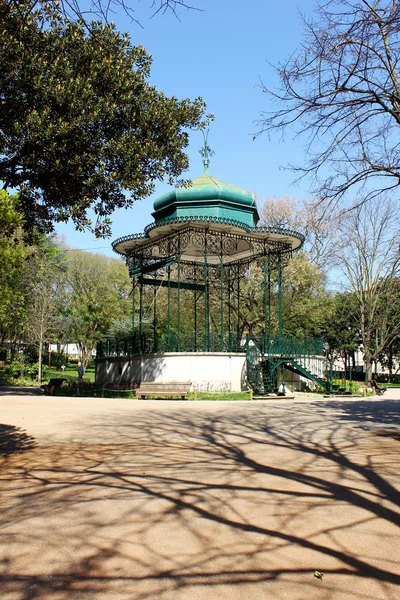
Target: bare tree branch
{"points": [[341, 89], [106, 9]]}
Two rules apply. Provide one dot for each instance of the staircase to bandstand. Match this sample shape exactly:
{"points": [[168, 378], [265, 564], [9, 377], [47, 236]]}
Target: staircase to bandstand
{"points": [[266, 358]]}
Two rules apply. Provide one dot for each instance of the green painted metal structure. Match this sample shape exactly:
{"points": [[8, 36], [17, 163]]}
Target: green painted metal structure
{"points": [[267, 363], [202, 242]]}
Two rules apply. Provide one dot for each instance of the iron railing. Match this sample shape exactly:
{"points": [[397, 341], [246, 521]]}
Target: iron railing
{"points": [[286, 346], [150, 344]]}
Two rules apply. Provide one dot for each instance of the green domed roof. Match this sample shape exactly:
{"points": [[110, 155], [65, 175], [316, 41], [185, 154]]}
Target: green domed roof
{"points": [[207, 196]]}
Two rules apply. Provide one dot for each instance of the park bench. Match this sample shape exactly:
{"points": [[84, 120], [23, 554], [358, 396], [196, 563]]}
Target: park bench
{"points": [[378, 390], [167, 388], [53, 385]]}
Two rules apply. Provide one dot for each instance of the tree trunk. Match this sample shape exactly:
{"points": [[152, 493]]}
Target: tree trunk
{"points": [[367, 370], [390, 363], [40, 363]]}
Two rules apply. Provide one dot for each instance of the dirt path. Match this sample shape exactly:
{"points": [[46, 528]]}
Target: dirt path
{"points": [[146, 500]]}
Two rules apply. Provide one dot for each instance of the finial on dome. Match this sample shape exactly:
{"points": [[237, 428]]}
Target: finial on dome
{"points": [[206, 151]]}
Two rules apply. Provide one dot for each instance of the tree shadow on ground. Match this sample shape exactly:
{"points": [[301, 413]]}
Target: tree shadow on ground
{"points": [[194, 504], [14, 440], [381, 417], [369, 412]]}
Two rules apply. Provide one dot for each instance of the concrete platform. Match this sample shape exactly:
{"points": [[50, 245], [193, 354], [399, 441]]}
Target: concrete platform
{"points": [[106, 499]]}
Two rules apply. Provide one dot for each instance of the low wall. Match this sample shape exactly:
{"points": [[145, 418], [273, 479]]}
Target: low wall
{"points": [[206, 370]]}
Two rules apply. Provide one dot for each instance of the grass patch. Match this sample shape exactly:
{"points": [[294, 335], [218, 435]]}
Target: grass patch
{"points": [[70, 373], [220, 396]]}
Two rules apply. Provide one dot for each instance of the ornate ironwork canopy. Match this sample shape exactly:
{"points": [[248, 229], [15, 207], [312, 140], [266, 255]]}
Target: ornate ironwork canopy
{"points": [[199, 247]]}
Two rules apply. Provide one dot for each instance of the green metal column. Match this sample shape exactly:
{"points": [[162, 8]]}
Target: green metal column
{"points": [[280, 317], [221, 303], [206, 308], [155, 320], [179, 303], [238, 307], [229, 310], [133, 307], [195, 311], [280, 305], [265, 305], [195, 320], [269, 303], [141, 316], [169, 311]]}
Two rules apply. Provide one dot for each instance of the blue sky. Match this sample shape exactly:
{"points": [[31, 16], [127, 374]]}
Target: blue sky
{"points": [[219, 53]]}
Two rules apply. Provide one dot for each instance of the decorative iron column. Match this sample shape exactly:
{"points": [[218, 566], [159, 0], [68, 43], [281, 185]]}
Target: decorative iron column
{"points": [[169, 311], [280, 318], [269, 301], [195, 320], [229, 309], [265, 304], [206, 307], [221, 301], [140, 315], [179, 303], [280, 305], [195, 298], [238, 307], [155, 320], [133, 307]]}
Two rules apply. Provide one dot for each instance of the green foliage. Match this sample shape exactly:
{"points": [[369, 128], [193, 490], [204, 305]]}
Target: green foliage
{"points": [[80, 124], [13, 253], [21, 371], [96, 294], [227, 395], [70, 374], [345, 384], [340, 329], [304, 299]]}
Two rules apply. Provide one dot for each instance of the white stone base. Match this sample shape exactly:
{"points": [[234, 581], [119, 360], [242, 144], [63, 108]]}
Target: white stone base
{"points": [[212, 371]]}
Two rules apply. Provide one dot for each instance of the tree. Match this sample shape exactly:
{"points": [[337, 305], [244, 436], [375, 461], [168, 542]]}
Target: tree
{"points": [[44, 274], [80, 125], [303, 294], [370, 263], [342, 89], [341, 326], [13, 254], [103, 9], [308, 218], [390, 355], [96, 295], [305, 299]]}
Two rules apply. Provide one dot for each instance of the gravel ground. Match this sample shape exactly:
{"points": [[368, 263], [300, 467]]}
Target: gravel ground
{"points": [[145, 500]]}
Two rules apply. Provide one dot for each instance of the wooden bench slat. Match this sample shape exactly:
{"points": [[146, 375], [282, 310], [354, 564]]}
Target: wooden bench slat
{"points": [[169, 388]]}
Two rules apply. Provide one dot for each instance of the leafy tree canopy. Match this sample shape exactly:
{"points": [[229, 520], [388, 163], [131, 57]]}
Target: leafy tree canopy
{"points": [[13, 253], [80, 125], [96, 295]]}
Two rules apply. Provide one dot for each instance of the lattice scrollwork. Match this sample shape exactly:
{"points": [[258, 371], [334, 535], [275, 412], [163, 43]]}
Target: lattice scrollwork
{"points": [[198, 240], [169, 246], [258, 247], [193, 272], [217, 243], [229, 245], [183, 241], [148, 251], [213, 243]]}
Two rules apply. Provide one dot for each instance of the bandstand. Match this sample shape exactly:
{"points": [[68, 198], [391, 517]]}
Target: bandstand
{"points": [[188, 271]]}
